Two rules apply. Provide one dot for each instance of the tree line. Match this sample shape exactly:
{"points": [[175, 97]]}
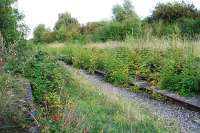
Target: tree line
{"points": [[168, 20]]}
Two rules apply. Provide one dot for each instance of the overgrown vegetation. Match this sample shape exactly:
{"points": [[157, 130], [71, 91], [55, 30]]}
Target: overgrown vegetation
{"points": [[10, 19], [14, 108], [175, 69], [13, 105], [177, 19], [165, 68], [67, 103]]}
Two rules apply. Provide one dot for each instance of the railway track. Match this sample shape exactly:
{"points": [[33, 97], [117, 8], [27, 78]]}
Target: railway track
{"points": [[191, 103], [186, 116]]}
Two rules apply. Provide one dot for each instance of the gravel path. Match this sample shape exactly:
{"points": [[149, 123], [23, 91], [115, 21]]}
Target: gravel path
{"points": [[186, 119]]}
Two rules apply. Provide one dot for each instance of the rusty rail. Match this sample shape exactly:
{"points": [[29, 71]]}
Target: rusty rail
{"points": [[188, 102]]}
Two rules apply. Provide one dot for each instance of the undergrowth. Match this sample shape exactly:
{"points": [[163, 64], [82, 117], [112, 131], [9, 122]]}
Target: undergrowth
{"points": [[67, 103], [13, 106], [175, 69]]}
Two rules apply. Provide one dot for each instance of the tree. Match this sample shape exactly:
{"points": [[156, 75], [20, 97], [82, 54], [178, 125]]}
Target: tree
{"points": [[43, 34], [170, 12], [12, 31], [11, 25], [189, 27], [91, 27], [67, 28], [124, 12], [1, 52]]}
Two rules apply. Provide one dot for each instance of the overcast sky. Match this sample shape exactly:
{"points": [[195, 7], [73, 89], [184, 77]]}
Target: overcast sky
{"points": [[46, 11]]}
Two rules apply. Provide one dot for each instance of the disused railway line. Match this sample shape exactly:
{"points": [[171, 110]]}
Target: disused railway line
{"points": [[191, 103]]}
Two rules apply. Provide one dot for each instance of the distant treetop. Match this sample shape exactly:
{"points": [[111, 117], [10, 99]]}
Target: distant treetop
{"points": [[124, 12], [170, 12]]}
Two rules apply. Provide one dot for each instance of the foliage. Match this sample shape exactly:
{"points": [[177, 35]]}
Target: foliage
{"points": [[11, 26], [177, 19], [90, 30], [169, 69], [111, 31], [87, 110], [170, 12], [66, 28], [189, 28], [43, 35], [181, 73], [2, 51], [44, 74], [68, 104], [119, 31], [12, 32], [124, 12], [125, 22], [65, 105], [161, 29]]}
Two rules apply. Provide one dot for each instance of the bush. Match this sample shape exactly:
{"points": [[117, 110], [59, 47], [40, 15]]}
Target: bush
{"points": [[181, 73], [45, 75], [164, 30], [111, 31], [117, 72], [43, 35], [119, 30], [147, 65], [190, 28]]}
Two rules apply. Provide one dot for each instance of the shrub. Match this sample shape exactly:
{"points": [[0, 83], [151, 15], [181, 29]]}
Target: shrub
{"points": [[117, 73], [45, 75], [161, 29], [111, 31], [145, 65], [181, 73], [43, 34], [117, 66], [190, 28], [119, 31]]}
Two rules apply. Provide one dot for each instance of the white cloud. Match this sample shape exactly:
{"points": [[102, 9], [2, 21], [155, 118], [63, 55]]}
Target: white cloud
{"points": [[46, 11]]}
